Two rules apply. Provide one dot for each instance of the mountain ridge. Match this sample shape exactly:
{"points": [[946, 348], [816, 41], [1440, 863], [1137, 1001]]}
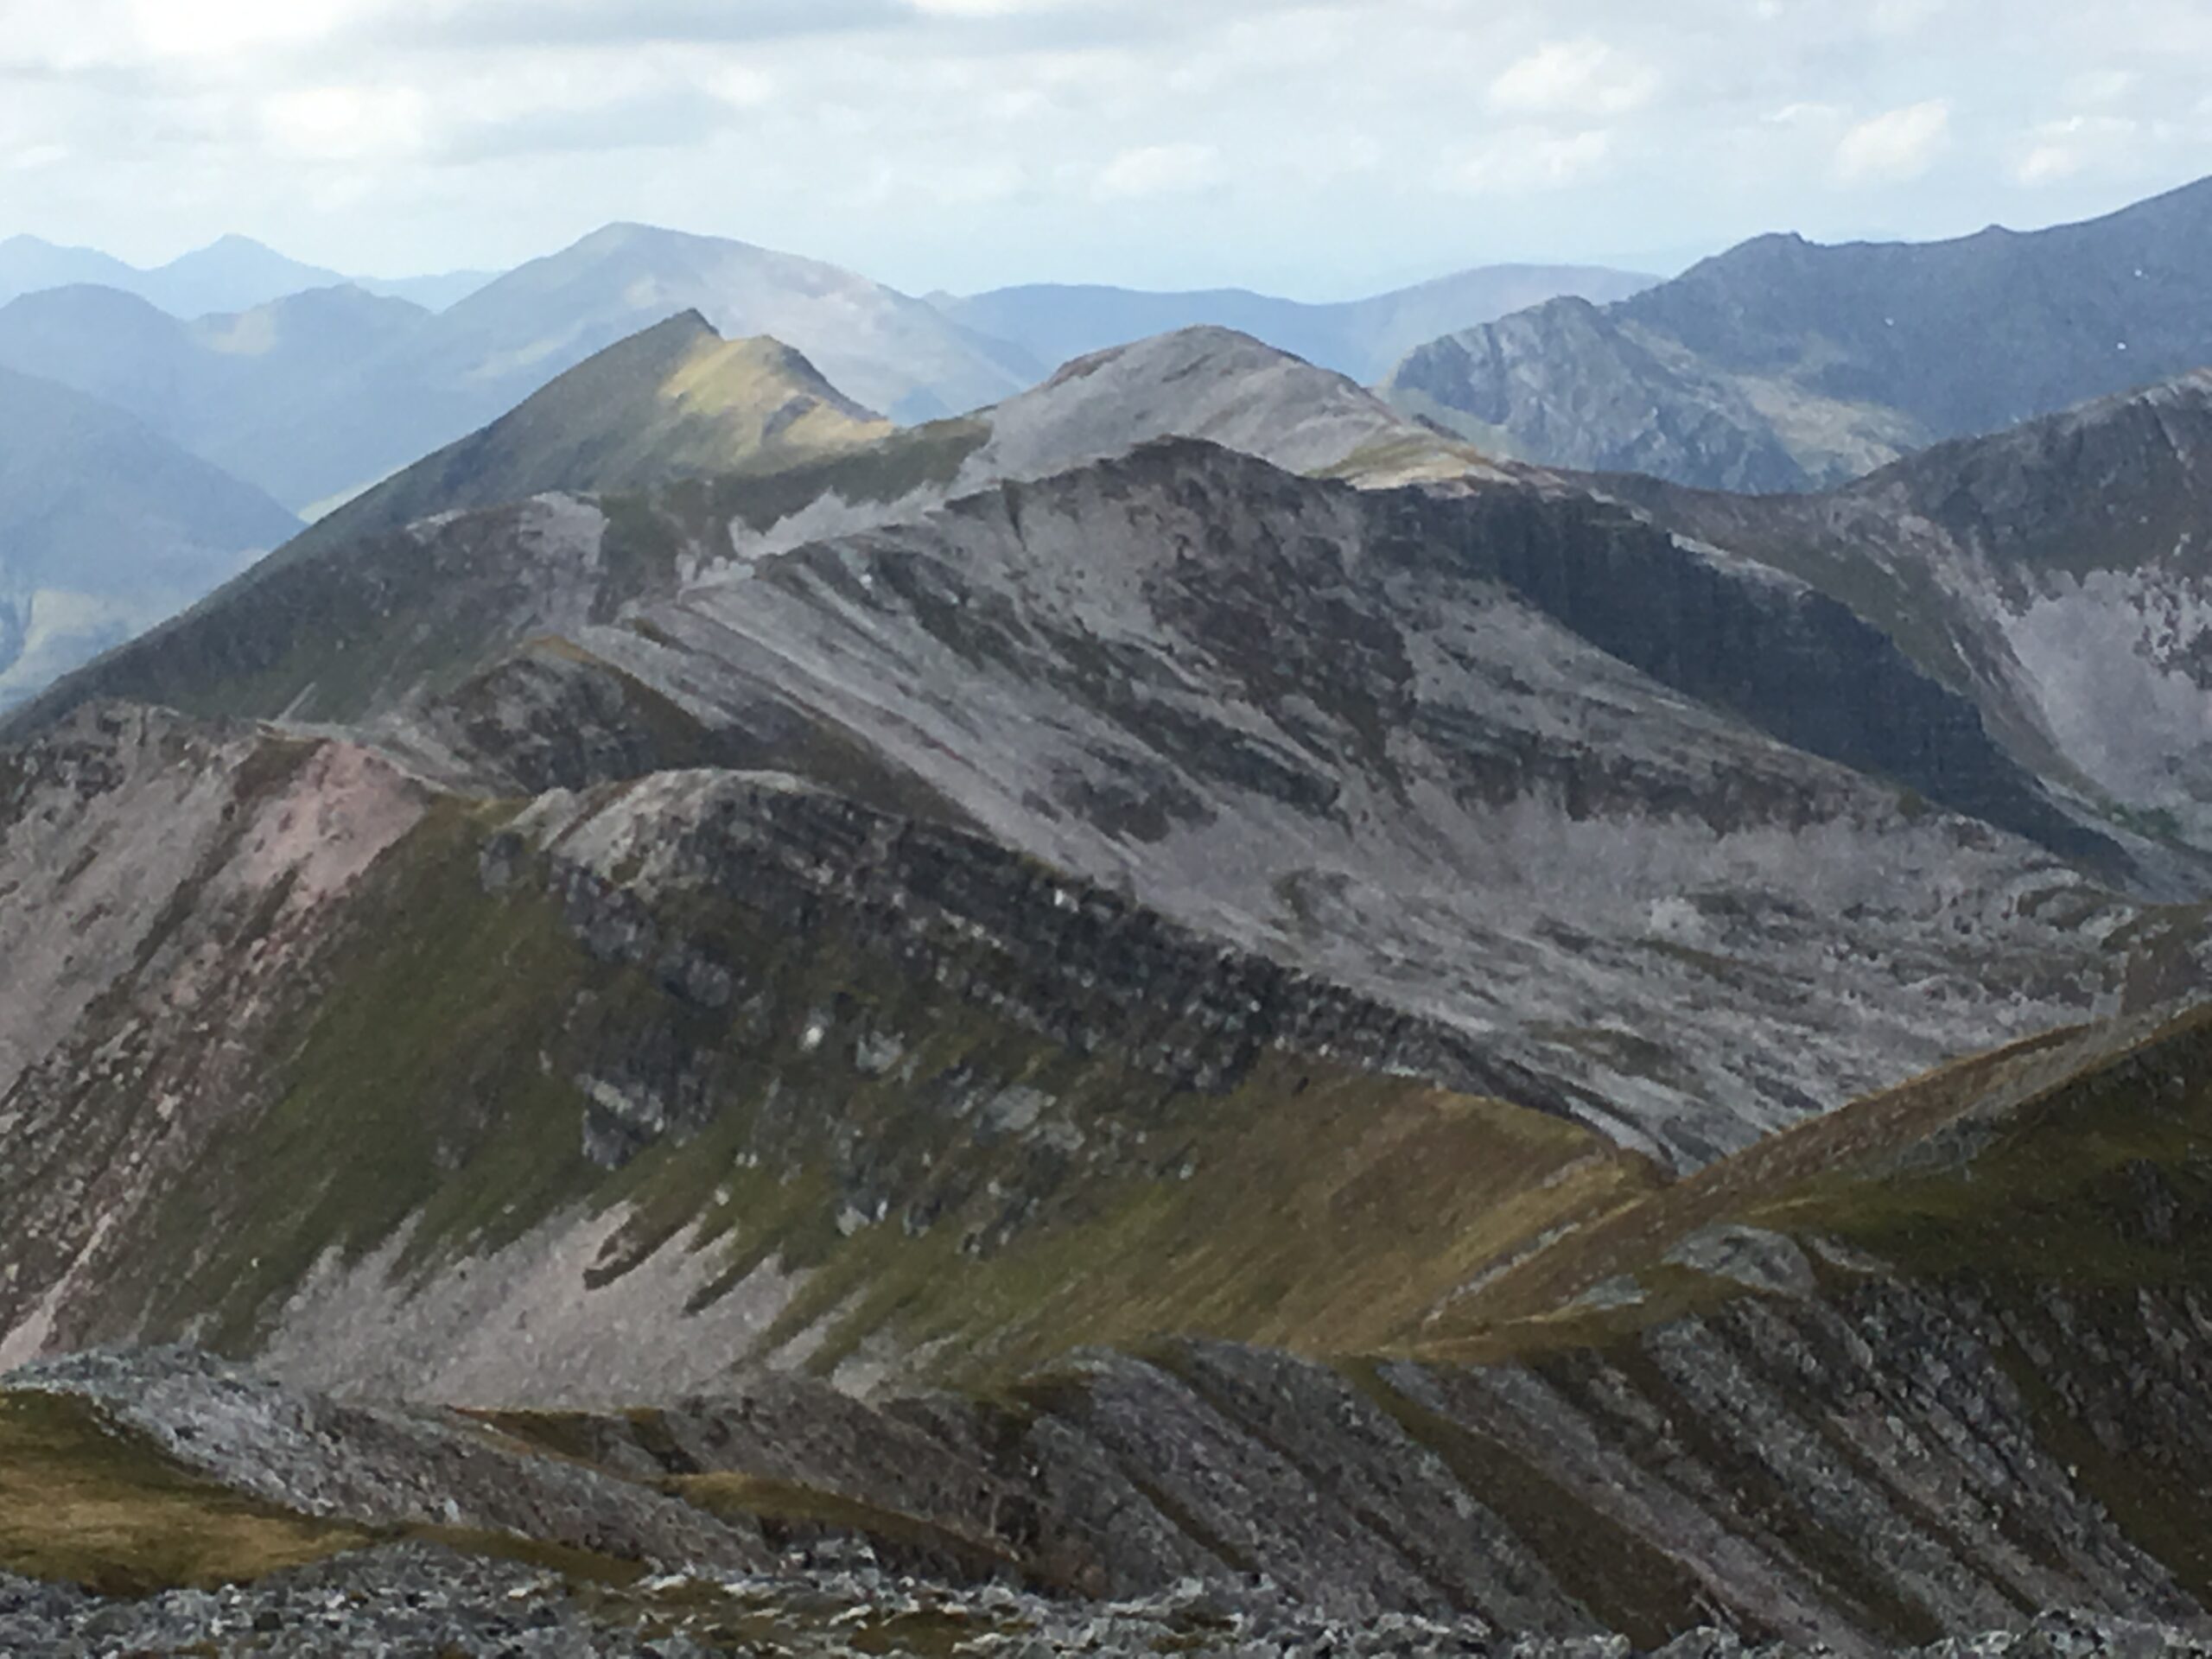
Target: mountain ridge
{"points": [[1828, 361], [675, 401], [1176, 1015], [231, 274], [1364, 338]]}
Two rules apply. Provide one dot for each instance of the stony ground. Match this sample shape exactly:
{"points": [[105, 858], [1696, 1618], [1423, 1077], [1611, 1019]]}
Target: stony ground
{"points": [[423, 1601]]}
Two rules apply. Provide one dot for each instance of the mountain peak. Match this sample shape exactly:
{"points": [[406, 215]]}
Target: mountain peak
{"points": [[670, 402]]}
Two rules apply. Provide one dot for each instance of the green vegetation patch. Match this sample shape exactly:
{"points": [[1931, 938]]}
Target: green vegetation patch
{"points": [[84, 1501], [414, 1088], [2102, 1183], [432, 1083], [922, 457]]}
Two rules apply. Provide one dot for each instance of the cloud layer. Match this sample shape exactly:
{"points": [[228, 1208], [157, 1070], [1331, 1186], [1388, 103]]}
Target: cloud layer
{"points": [[1313, 146]]}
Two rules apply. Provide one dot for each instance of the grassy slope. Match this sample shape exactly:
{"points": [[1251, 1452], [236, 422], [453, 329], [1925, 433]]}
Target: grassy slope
{"points": [[674, 402], [426, 1084], [2042, 1167], [430, 1080], [85, 1501]]}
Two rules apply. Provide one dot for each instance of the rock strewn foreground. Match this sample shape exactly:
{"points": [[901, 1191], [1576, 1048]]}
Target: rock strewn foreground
{"points": [[412, 1600]]}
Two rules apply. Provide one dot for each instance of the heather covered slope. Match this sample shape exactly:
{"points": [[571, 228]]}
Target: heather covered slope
{"points": [[1783, 364]]}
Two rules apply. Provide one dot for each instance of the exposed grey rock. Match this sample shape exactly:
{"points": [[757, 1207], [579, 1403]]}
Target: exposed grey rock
{"points": [[1750, 1256]]}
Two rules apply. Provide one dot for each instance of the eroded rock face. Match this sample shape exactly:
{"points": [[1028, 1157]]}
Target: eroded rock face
{"points": [[420, 1094], [2056, 574], [1502, 758]]}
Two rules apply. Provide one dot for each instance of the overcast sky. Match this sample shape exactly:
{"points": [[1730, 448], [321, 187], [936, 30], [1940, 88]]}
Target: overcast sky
{"points": [[1317, 147]]}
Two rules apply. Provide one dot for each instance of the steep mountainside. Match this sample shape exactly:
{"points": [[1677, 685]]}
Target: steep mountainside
{"points": [[676, 401], [2058, 574], [1458, 767], [1170, 1017], [1364, 338], [104, 530], [1786, 364]]}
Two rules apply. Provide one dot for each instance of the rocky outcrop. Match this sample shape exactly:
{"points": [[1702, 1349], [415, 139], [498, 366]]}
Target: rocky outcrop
{"points": [[381, 1467], [1484, 705], [1785, 657]]}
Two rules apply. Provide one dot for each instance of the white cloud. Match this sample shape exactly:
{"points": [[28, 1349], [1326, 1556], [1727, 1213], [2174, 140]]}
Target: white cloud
{"points": [[2097, 87], [982, 8], [1573, 79], [223, 29], [1160, 170], [1897, 145], [1529, 159], [349, 124], [1904, 16], [1316, 146], [739, 85], [37, 157], [2059, 150]]}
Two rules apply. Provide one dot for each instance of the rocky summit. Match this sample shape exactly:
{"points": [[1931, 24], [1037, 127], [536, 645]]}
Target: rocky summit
{"points": [[1183, 1015]]}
